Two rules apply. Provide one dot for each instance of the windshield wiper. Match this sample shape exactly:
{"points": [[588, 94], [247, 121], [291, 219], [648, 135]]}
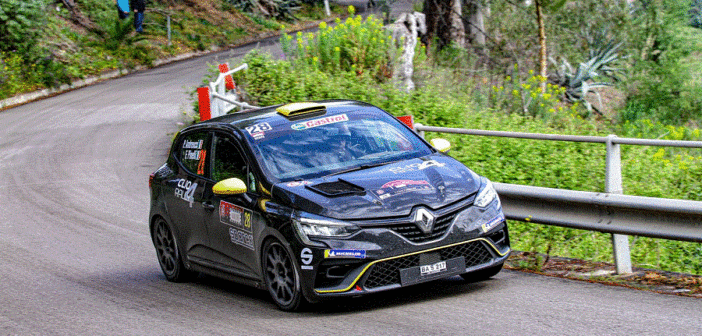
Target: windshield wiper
{"points": [[361, 167]]}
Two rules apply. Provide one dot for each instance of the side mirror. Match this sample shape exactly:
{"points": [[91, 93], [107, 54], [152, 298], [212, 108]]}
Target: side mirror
{"points": [[442, 145], [230, 186]]}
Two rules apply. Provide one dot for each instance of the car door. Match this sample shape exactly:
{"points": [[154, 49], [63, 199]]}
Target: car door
{"points": [[185, 195], [236, 220]]}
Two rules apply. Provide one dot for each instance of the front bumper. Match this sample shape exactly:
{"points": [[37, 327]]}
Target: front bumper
{"points": [[379, 259]]}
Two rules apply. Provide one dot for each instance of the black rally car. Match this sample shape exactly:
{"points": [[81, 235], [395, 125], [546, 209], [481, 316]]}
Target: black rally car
{"points": [[318, 200]]}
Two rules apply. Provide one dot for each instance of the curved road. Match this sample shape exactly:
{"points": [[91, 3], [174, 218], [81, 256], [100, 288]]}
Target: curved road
{"points": [[76, 257]]}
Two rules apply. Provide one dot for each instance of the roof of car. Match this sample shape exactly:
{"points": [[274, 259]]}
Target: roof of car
{"points": [[267, 114]]}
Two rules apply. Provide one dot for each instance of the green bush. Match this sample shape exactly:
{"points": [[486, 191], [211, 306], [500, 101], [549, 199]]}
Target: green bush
{"points": [[357, 45]]}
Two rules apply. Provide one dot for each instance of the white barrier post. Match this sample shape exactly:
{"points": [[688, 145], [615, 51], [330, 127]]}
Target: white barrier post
{"points": [[613, 185]]}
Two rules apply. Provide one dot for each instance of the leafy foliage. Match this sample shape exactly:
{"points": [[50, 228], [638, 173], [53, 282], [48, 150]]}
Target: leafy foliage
{"points": [[20, 24], [356, 45]]}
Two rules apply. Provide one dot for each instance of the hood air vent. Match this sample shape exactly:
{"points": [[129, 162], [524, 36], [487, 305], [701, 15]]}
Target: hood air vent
{"points": [[336, 188]]}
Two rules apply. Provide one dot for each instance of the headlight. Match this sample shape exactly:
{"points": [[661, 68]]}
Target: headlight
{"points": [[486, 194], [315, 226]]}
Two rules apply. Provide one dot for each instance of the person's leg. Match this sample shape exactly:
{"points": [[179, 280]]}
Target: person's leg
{"points": [[138, 21]]}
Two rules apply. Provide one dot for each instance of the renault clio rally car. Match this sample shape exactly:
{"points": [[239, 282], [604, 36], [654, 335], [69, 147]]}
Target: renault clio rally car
{"points": [[319, 200]]}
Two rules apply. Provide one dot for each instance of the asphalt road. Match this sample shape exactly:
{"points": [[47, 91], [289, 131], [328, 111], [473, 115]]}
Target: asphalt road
{"points": [[76, 257]]}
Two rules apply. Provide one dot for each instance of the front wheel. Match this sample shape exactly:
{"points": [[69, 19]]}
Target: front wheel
{"points": [[281, 276], [168, 254], [482, 274]]}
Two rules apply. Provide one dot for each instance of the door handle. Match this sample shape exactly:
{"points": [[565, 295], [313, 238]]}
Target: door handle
{"points": [[208, 205]]}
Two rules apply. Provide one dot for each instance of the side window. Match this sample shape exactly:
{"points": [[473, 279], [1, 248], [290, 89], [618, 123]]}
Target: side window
{"points": [[193, 152], [228, 162]]}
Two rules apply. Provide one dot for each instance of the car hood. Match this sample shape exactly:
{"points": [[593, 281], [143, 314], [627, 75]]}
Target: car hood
{"points": [[385, 191]]}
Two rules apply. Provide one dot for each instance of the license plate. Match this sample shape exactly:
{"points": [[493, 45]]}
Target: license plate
{"points": [[431, 269]]}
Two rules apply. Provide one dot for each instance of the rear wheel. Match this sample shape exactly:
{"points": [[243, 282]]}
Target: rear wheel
{"points": [[168, 254], [281, 276], [482, 274]]}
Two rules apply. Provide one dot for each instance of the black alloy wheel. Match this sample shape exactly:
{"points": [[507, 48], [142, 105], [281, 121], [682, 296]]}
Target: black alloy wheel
{"points": [[282, 279], [167, 252]]}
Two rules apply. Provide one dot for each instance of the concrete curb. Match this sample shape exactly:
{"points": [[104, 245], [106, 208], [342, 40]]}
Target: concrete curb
{"points": [[29, 97]]}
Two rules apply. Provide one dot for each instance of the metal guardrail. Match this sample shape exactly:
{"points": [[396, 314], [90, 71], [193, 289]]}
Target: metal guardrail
{"points": [[608, 212]]}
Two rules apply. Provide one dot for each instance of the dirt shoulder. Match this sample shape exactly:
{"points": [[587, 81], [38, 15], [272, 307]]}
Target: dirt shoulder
{"points": [[599, 272]]}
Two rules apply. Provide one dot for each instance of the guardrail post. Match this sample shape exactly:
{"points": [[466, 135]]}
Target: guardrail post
{"points": [[168, 28], [613, 185], [421, 133]]}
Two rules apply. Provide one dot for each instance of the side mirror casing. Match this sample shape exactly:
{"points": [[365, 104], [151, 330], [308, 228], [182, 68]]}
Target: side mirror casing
{"points": [[230, 186], [442, 145]]}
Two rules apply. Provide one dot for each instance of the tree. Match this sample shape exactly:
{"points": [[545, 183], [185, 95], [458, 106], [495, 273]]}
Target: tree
{"points": [[444, 22], [540, 6]]}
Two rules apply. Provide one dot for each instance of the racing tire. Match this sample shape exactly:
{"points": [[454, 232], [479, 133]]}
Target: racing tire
{"points": [[168, 254], [281, 276], [483, 274]]}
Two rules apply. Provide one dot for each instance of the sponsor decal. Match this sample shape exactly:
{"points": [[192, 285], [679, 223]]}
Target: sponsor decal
{"points": [[359, 254], [192, 144], [258, 131], [492, 223], [416, 166], [234, 215], [185, 190], [201, 164], [306, 258], [397, 187], [319, 122], [242, 238], [298, 183]]}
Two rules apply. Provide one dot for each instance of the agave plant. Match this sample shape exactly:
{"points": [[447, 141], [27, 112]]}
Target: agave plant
{"points": [[588, 77]]}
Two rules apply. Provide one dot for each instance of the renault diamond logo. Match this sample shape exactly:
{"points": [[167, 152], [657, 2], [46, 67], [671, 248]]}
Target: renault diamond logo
{"points": [[424, 220]]}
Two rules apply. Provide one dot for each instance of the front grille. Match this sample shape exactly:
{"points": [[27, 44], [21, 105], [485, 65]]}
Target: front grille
{"points": [[387, 272], [412, 232]]}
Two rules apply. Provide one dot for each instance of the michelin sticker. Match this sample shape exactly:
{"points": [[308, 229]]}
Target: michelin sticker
{"points": [[306, 258], [397, 187], [319, 122], [258, 131], [185, 190], [416, 166], [492, 223], [358, 254]]}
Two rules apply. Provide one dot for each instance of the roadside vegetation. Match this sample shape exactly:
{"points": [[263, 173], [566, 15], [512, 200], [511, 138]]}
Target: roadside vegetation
{"points": [[453, 90], [46, 43]]}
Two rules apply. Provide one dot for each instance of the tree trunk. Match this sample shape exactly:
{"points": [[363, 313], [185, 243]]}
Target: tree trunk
{"points": [[476, 25], [542, 42], [444, 23]]}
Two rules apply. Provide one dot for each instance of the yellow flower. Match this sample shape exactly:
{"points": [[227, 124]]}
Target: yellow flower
{"points": [[337, 49], [531, 72], [552, 110], [322, 25]]}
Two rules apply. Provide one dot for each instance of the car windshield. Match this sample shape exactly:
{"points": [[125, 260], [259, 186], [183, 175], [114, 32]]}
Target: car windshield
{"points": [[331, 144]]}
